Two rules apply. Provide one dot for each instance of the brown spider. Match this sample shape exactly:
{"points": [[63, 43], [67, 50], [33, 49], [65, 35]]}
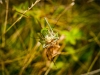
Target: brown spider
{"points": [[52, 50]]}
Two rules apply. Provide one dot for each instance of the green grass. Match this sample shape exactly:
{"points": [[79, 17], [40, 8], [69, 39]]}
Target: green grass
{"points": [[77, 25]]}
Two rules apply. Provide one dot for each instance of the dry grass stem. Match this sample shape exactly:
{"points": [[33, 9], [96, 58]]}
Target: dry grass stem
{"points": [[5, 23]]}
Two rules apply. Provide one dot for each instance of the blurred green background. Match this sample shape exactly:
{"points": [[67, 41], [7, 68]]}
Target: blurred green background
{"points": [[20, 50]]}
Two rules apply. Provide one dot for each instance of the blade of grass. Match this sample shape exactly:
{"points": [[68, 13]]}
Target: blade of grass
{"points": [[5, 23]]}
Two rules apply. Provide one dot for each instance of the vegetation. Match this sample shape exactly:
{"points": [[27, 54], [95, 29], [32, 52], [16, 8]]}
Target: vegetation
{"points": [[76, 24]]}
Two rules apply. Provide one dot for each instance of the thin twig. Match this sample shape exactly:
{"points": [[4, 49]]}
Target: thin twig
{"points": [[65, 10], [93, 62], [92, 72], [22, 15]]}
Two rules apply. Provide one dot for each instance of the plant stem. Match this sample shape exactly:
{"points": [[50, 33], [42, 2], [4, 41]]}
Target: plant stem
{"points": [[5, 23]]}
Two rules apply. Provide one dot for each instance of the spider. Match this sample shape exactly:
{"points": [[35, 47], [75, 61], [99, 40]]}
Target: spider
{"points": [[50, 42]]}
